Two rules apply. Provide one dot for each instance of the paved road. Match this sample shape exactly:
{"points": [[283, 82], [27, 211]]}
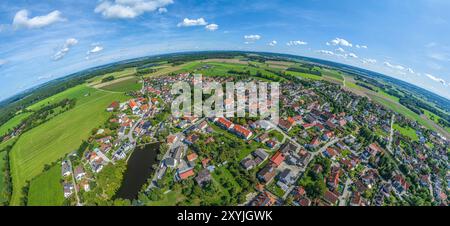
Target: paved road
{"points": [[74, 183], [391, 135], [344, 197]]}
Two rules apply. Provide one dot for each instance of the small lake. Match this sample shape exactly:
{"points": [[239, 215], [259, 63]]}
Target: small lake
{"points": [[139, 169]]}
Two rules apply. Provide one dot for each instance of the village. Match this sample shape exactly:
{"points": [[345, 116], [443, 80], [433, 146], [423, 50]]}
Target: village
{"points": [[330, 147]]}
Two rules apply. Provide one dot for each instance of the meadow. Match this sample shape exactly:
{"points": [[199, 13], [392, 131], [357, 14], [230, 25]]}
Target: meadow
{"points": [[46, 189], [131, 84], [13, 122], [2, 177], [61, 135], [408, 132]]}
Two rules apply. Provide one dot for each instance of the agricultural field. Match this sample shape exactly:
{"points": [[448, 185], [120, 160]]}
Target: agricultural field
{"points": [[59, 136], [6, 143], [2, 177], [130, 84], [118, 74], [78, 92], [46, 189], [13, 122]]}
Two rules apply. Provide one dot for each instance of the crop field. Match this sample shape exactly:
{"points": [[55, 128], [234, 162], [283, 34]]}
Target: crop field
{"points": [[131, 84], [59, 136], [13, 122], [46, 189], [2, 177]]}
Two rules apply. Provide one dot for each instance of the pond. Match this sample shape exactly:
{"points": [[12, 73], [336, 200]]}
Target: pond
{"points": [[139, 169]]}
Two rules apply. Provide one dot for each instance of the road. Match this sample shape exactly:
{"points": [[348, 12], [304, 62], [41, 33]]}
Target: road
{"points": [[391, 135], [344, 197], [74, 183]]}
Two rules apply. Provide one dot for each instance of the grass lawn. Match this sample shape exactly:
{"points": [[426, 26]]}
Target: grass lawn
{"points": [[46, 189], [169, 199], [2, 177], [13, 122], [131, 84], [57, 137], [408, 132], [277, 135]]}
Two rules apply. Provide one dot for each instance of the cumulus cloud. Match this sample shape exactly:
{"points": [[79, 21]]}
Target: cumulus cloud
{"points": [[95, 49], [352, 55], [65, 49], [273, 43], [192, 22], [162, 10], [340, 42], [340, 49], [368, 61], [361, 46], [128, 9], [252, 38], [393, 66], [212, 27], [437, 79], [325, 52], [296, 43], [21, 19]]}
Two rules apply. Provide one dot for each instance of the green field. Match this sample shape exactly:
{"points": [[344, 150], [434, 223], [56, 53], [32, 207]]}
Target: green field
{"points": [[304, 75], [59, 136], [46, 189], [6, 143], [131, 84], [408, 132], [2, 177], [78, 92], [13, 122], [118, 74]]}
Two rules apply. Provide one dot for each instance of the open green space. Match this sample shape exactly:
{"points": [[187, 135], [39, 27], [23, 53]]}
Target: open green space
{"points": [[6, 143], [78, 92], [169, 199], [13, 122], [131, 84], [2, 176], [117, 74], [61, 135], [304, 75], [408, 132], [46, 189]]}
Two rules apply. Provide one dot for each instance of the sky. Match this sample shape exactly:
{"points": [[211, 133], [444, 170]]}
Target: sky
{"points": [[43, 40]]}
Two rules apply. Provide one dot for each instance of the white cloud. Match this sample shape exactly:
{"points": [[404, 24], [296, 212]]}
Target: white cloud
{"points": [[340, 42], [65, 48], [340, 49], [162, 10], [368, 61], [21, 19], [361, 46], [128, 9], [212, 27], [273, 43], [398, 67], [352, 55], [436, 79], [252, 38], [2, 62], [192, 22], [296, 43], [326, 52], [96, 49], [410, 70]]}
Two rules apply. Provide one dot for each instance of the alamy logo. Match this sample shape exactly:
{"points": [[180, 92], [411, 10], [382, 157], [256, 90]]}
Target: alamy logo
{"points": [[214, 99]]}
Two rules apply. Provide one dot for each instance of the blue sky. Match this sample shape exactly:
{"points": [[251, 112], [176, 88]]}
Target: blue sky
{"points": [[43, 40]]}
